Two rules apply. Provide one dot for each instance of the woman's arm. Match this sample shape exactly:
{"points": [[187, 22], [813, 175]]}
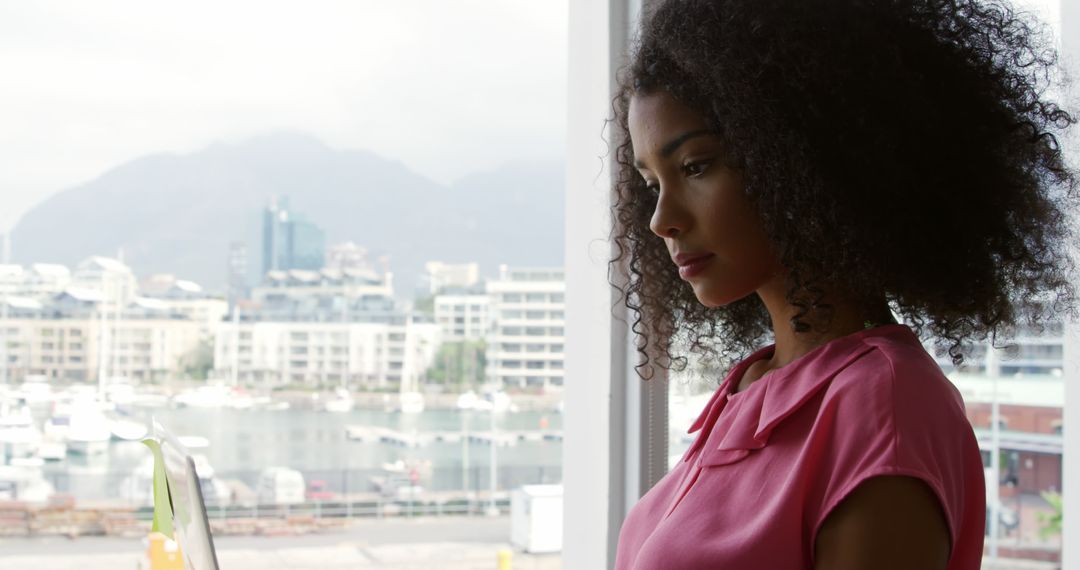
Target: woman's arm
{"points": [[887, 522]]}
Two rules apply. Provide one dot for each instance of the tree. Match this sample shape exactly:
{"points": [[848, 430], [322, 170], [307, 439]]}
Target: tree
{"points": [[197, 362], [1050, 523], [459, 364], [425, 305]]}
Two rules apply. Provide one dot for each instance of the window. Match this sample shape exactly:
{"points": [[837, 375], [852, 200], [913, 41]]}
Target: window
{"points": [[317, 294]]}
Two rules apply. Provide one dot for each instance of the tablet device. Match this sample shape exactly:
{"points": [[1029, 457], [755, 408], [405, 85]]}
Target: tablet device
{"points": [[186, 503]]}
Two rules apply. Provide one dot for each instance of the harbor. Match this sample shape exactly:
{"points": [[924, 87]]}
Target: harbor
{"points": [[73, 463]]}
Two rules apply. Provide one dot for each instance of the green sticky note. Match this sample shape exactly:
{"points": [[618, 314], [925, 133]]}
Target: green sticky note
{"points": [[162, 509]]}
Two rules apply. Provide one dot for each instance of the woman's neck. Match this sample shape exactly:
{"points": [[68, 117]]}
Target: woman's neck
{"points": [[846, 318]]}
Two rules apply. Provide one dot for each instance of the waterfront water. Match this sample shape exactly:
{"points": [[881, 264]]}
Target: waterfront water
{"points": [[245, 442]]}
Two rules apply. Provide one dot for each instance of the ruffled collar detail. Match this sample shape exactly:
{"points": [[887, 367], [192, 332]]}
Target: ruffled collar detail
{"points": [[752, 415]]}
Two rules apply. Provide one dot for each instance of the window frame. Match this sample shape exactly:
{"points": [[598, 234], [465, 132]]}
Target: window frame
{"points": [[609, 411], [1069, 13]]}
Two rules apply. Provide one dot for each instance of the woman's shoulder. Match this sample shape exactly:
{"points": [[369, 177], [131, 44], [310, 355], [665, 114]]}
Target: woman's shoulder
{"points": [[892, 411], [896, 373]]}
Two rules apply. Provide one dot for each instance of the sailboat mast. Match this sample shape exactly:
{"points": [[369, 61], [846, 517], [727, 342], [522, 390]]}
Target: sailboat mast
{"points": [[4, 316]]}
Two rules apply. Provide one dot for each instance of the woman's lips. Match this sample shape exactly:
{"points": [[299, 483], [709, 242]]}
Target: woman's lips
{"points": [[694, 266]]}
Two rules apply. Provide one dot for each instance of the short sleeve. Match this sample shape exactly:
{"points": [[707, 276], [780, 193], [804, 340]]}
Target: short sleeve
{"points": [[892, 413]]}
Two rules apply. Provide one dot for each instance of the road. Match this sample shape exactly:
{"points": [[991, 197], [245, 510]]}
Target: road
{"points": [[451, 543]]}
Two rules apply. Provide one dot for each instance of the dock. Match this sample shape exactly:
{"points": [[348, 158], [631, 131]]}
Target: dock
{"points": [[501, 438]]}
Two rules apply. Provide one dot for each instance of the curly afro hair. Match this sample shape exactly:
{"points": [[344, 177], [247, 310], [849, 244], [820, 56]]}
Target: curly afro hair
{"points": [[904, 148]]}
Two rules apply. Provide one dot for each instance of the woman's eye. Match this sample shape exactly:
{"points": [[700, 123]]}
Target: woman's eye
{"points": [[652, 187], [695, 168]]}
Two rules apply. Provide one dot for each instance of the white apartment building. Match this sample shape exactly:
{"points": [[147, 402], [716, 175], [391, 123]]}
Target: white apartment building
{"points": [[91, 323], [331, 327], [38, 281], [1030, 352], [11, 279], [206, 313], [315, 291], [112, 278], [183, 298], [464, 316], [72, 349], [525, 341], [319, 353], [438, 276]]}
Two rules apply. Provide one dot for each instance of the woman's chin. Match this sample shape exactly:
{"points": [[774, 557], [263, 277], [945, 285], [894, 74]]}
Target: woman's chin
{"points": [[712, 298]]}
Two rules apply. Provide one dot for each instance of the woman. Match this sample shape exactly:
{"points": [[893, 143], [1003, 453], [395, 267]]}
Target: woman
{"points": [[799, 171]]}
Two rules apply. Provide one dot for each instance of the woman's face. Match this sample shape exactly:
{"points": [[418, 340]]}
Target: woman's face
{"points": [[711, 231]]}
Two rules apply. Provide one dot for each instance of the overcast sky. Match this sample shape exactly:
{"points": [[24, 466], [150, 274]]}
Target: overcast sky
{"points": [[446, 87]]}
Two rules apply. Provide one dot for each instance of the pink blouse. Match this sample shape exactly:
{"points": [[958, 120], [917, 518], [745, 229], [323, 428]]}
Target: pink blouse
{"points": [[772, 461]]}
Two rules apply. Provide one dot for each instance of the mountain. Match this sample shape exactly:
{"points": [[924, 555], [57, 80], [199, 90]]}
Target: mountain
{"points": [[177, 213]]}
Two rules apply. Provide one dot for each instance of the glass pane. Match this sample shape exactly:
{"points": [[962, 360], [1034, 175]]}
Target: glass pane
{"points": [[322, 242]]}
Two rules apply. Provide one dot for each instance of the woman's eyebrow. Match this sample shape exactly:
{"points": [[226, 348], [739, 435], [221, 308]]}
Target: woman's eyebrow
{"points": [[674, 144]]}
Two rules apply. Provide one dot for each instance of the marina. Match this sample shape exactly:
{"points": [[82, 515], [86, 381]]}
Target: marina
{"points": [[82, 445]]}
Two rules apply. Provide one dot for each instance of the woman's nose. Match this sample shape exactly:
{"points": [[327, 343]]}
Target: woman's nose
{"points": [[669, 218]]}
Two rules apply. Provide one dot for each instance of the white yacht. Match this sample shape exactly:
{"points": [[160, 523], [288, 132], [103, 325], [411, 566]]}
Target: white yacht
{"points": [[411, 402], [467, 400], [497, 401], [24, 482], [125, 429], [19, 435], [341, 403], [214, 396], [36, 391], [89, 430], [52, 449]]}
